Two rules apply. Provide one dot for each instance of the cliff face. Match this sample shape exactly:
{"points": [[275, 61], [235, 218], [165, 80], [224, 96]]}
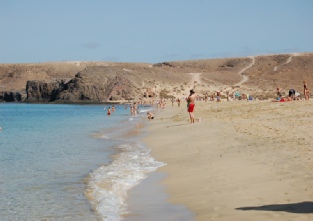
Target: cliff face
{"points": [[39, 91], [95, 84], [10, 96]]}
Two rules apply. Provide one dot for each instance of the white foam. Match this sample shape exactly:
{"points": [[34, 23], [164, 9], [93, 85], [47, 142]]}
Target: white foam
{"points": [[104, 136], [145, 110], [109, 185]]}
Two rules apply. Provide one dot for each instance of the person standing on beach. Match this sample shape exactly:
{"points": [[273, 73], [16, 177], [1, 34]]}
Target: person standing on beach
{"points": [[191, 105], [279, 95], [135, 108], [227, 95], [218, 96], [306, 91], [131, 109]]}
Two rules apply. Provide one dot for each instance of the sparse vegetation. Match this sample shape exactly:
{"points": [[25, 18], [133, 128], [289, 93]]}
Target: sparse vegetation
{"points": [[164, 94], [287, 71]]}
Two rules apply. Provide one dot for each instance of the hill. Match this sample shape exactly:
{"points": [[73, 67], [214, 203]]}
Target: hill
{"points": [[112, 81]]}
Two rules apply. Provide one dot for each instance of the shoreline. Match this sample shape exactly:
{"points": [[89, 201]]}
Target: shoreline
{"points": [[244, 160], [123, 188], [140, 207], [107, 185]]}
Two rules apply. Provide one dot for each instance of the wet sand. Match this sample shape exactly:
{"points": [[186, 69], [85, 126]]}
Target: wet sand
{"points": [[149, 202], [243, 161]]}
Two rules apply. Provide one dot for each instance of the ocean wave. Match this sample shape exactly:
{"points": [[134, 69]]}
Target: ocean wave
{"points": [[109, 185]]}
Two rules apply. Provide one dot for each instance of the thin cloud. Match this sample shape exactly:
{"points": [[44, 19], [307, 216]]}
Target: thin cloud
{"points": [[91, 45]]}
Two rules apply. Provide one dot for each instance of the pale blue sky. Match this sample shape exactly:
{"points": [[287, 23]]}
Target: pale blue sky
{"points": [[151, 30]]}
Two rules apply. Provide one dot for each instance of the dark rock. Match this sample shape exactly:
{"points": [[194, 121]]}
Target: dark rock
{"points": [[95, 84], [39, 91], [10, 97], [163, 64]]}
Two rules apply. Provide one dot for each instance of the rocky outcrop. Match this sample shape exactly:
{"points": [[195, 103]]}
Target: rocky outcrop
{"points": [[10, 97], [95, 84], [164, 64], [40, 91]]}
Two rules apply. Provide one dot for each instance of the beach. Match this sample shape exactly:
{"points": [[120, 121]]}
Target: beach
{"points": [[242, 161]]}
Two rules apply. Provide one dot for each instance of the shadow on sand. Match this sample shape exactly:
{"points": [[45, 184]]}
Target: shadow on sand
{"points": [[303, 207]]}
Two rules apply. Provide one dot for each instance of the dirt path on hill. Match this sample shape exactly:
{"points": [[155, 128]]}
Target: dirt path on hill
{"points": [[244, 77], [195, 78], [287, 61]]}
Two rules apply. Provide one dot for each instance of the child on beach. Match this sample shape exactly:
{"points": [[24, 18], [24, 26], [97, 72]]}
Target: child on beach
{"points": [[278, 93], [150, 116]]}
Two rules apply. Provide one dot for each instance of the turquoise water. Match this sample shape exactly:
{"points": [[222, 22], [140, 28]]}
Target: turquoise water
{"points": [[71, 162]]}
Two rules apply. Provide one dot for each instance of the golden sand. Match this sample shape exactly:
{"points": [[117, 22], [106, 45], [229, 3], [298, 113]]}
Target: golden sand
{"points": [[243, 161]]}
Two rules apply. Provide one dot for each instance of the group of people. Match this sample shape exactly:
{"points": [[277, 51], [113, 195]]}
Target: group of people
{"points": [[132, 107], [292, 94], [190, 105], [109, 110], [160, 104], [133, 110]]}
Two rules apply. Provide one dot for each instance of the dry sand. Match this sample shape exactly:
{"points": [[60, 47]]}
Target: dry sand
{"points": [[243, 161]]}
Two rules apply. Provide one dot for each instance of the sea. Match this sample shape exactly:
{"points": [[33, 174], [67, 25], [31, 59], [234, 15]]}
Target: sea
{"points": [[70, 162]]}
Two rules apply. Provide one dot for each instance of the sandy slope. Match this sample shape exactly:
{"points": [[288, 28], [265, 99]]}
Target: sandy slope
{"points": [[258, 75]]}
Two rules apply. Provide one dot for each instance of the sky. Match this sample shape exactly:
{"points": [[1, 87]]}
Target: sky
{"points": [[151, 31]]}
